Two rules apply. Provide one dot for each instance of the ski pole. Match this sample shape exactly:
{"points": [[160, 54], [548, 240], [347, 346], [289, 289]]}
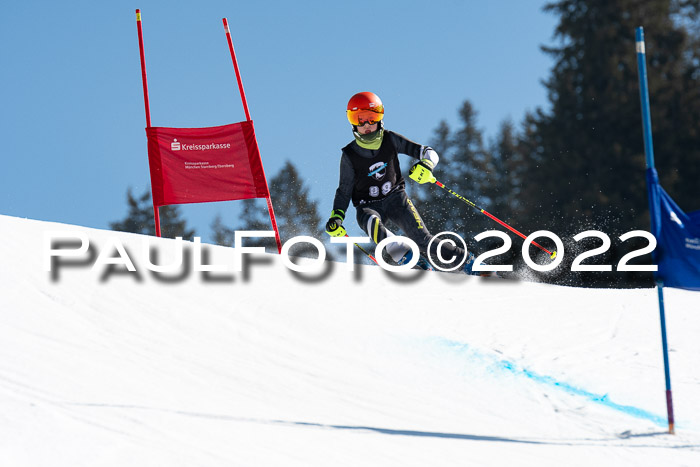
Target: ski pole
{"points": [[552, 254], [369, 255]]}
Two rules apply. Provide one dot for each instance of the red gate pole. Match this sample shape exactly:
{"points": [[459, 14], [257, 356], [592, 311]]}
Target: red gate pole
{"points": [[235, 67], [247, 116], [273, 221], [156, 213]]}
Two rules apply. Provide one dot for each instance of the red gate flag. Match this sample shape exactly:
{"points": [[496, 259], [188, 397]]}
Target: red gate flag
{"points": [[201, 165]]}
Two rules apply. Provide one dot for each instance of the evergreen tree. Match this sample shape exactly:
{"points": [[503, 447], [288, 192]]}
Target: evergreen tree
{"points": [[506, 174], [432, 203], [140, 218], [255, 215], [467, 167], [295, 213], [223, 235], [585, 156]]}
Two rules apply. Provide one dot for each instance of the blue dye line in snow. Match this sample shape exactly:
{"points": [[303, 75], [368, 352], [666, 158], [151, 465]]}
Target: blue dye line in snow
{"points": [[510, 367]]}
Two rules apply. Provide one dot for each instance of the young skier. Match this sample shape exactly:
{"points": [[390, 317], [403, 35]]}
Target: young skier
{"points": [[370, 177]]}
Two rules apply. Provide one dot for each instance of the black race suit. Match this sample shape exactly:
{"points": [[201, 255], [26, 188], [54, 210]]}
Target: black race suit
{"points": [[372, 180]]}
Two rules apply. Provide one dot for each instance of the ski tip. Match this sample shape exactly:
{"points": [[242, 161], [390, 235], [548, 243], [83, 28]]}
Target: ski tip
{"points": [[553, 255]]}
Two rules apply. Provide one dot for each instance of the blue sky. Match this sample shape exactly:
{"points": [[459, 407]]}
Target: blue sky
{"points": [[72, 120]]}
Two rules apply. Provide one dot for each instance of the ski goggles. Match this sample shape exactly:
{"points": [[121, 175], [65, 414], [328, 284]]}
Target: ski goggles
{"points": [[361, 116]]}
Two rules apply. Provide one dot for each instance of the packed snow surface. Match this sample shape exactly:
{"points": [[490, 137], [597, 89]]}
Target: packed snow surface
{"points": [[268, 367]]}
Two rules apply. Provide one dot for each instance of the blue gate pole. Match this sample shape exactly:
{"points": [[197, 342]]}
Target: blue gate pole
{"points": [[649, 151], [667, 370]]}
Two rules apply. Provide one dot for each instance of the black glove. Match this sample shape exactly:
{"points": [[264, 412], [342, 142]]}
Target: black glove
{"points": [[334, 226]]}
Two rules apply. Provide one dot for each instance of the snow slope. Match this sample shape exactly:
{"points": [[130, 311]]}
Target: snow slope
{"points": [[364, 368]]}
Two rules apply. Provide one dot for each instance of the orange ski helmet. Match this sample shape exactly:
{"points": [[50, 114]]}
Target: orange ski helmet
{"points": [[365, 107]]}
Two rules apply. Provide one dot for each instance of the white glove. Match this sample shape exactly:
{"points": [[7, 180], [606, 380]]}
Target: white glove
{"points": [[429, 153]]}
